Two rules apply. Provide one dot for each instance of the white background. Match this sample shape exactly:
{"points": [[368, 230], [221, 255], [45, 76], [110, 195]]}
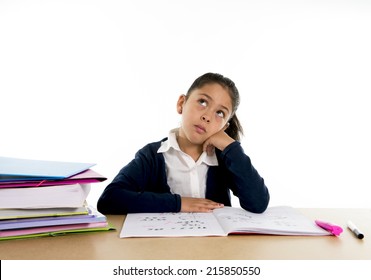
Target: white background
{"points": [[94, 81]]}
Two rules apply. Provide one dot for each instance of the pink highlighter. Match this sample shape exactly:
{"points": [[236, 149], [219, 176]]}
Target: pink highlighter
{"points": [[333, 229]]}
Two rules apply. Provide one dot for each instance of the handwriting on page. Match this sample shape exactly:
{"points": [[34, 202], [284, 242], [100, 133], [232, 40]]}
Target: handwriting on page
{"points": [[171, 224], [172, 221], [279, 220], [246, 218]]}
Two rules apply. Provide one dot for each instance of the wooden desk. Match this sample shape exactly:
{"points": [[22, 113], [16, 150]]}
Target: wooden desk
{"points": [[108, 245]]}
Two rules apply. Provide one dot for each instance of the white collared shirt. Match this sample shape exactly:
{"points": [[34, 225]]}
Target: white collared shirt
{"points": [[185, 176]]}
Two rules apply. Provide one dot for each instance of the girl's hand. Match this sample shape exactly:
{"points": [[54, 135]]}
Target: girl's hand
{"points": [[219, 140], [191, 204]]}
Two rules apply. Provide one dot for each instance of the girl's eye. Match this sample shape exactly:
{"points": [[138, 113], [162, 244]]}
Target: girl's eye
{"points": [[220, 114], [202, 102]]}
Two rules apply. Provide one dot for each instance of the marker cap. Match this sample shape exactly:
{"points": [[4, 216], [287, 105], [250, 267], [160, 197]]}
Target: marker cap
{"points": [[333, 229]]}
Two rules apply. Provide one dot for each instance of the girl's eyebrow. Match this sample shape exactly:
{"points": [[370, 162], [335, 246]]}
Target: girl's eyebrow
{"points": [[209, 97]]}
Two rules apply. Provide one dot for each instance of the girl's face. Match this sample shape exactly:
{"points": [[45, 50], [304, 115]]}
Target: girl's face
{"points": [[205, 112]]}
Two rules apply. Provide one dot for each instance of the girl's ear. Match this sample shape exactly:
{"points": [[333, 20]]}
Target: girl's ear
{"points": [[226, 126], [180, 103]]}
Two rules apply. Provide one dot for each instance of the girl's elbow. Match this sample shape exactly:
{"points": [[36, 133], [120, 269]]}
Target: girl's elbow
{"points": [[258, 206], [102, 206]]}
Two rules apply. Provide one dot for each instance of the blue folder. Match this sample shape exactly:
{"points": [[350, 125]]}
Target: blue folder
{"points": [[14, 169]]}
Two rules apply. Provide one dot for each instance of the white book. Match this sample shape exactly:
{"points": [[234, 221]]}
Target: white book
{"points": [[61, 196], [280, 220]]}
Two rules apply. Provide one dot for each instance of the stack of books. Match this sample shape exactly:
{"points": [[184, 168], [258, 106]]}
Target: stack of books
{"points": [[47, 198]]}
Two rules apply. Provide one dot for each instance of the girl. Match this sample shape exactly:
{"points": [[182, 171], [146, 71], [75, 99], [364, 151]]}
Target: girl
{"points": [[196, 166]]}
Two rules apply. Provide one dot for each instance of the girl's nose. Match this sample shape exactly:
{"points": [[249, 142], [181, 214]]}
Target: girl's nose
{"points": [[205, 118]]}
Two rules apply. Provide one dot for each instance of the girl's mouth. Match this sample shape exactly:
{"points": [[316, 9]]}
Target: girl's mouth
{"points": [[200, 129]]}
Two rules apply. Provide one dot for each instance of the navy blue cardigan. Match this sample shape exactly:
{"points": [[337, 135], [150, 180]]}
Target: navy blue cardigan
{"points": [[141, 186]]}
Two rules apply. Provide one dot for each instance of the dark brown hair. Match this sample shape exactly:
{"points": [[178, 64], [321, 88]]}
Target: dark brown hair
{"points": [[234, 129]]}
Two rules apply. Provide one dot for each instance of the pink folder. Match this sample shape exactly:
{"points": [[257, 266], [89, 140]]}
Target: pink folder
{"points": [[88, 176]]}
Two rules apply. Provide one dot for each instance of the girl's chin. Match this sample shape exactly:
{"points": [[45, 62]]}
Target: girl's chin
{"points": [[195, 138], [195, 141]]}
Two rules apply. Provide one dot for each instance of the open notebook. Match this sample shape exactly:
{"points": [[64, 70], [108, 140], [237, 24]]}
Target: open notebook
{"points": [[280, 220]]}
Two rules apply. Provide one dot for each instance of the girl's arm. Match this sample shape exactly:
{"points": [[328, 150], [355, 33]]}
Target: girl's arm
{"points": [[140, 187], [244, 181]]}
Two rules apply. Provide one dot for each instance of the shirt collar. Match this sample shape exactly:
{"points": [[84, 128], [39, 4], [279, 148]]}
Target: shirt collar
{"points": [[171, 142]]}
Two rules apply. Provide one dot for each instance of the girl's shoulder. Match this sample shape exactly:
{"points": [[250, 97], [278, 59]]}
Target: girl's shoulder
{"points": [[151, 149], [154, 146]]}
